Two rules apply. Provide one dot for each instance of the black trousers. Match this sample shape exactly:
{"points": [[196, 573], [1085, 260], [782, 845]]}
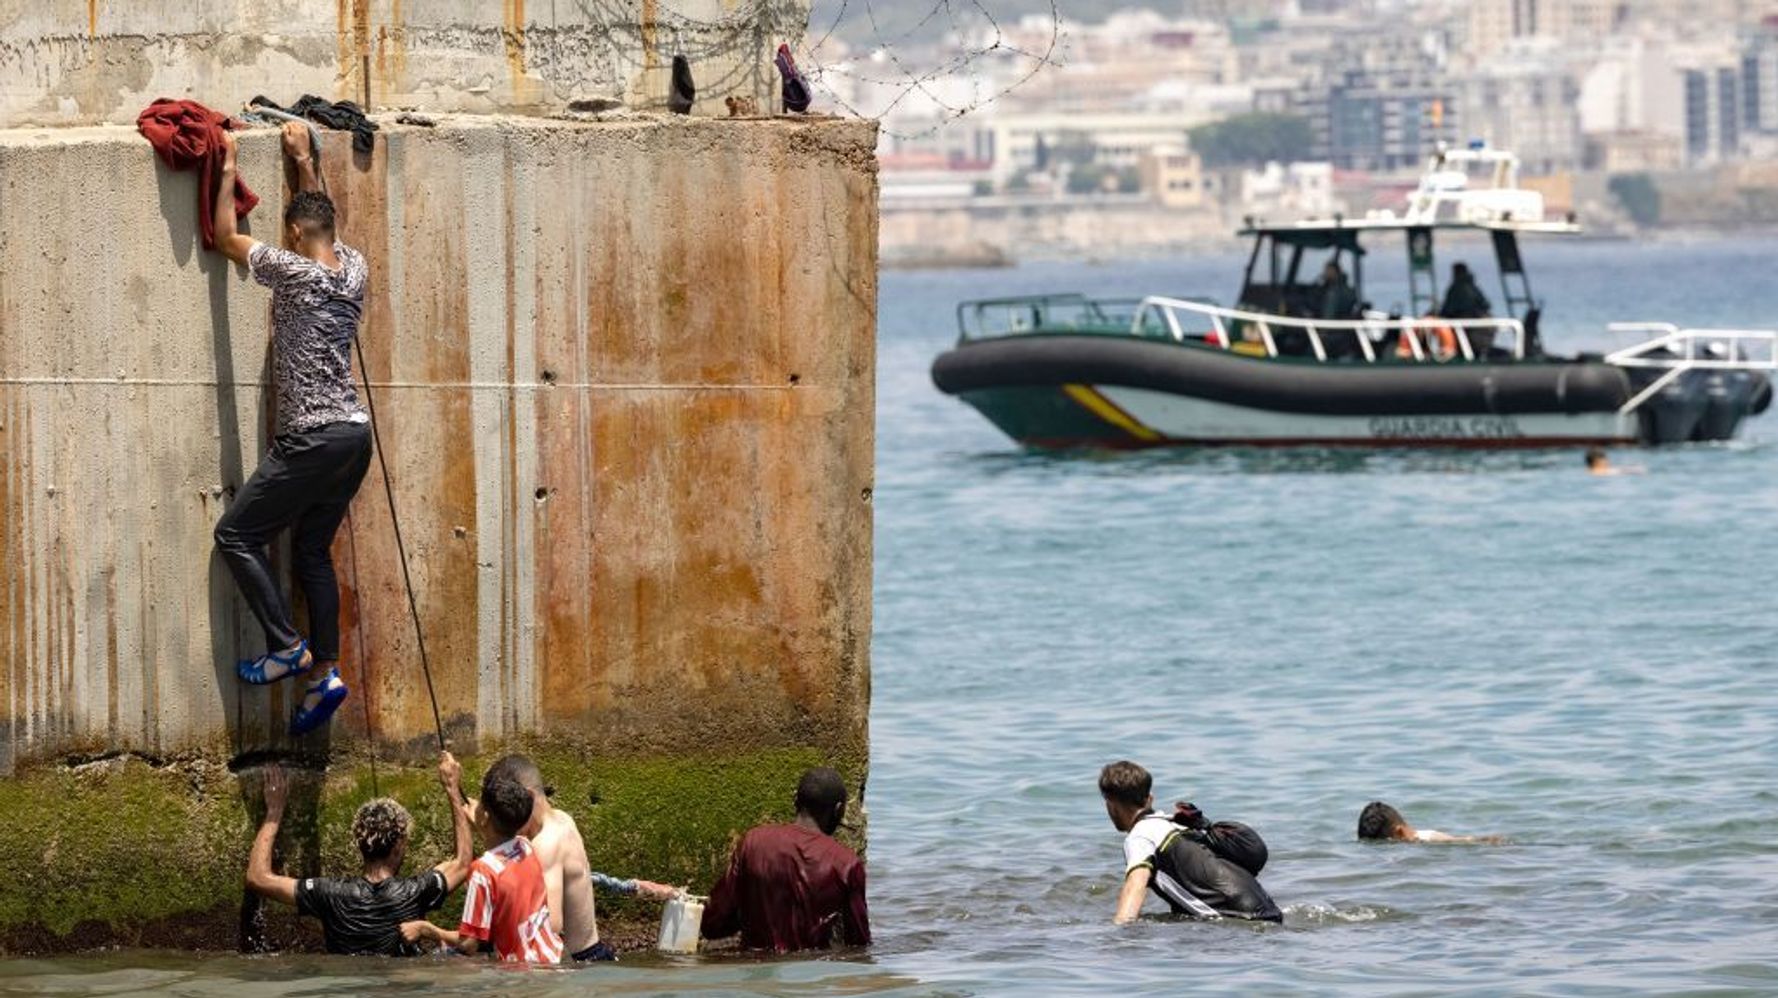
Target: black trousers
{"points": [[305, 483]]}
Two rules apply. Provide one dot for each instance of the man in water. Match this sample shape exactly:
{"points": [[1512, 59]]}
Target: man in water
{"points": [[567, 876], [793, 887], [1181, 868], [1599, 464], [1379, 822], [506, 908], [313, 468], [362, 915]]}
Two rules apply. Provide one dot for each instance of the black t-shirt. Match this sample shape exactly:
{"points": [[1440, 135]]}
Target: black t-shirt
{"points": [[360, 918]]}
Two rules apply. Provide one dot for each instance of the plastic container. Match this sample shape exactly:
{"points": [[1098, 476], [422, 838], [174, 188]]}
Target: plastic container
{"points": [[681, 919]]}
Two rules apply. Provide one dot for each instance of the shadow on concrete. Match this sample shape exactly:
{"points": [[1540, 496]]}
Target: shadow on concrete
{"points": [[251, 723]]}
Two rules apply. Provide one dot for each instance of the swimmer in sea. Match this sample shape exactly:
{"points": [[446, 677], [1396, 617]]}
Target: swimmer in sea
{"points": [[1599, 464], [1379, 822]]}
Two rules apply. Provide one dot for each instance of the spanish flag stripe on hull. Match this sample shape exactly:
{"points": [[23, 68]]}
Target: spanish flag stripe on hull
{"points": [[1107, 410]]}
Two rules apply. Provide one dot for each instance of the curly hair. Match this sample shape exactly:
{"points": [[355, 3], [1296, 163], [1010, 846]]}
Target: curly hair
{"points": [[379, 827]]}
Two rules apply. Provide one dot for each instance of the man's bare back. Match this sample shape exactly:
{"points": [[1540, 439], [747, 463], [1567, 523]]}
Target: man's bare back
{"points": [[567, 878]]}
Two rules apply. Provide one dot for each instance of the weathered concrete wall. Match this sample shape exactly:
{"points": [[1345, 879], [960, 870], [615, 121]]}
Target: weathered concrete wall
{"points": [[90, 61], [624, 380]]}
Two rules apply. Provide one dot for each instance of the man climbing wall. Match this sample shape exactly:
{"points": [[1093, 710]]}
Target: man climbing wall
{"points": [[322, 448]]}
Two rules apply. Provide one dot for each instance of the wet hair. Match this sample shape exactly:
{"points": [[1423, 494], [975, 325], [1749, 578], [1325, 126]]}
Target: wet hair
{"points": [[1379, 821], [507, 803], [1595, 457], [821, 795], [1125, 782], [379, 827], [312, 210], [517, 768]]}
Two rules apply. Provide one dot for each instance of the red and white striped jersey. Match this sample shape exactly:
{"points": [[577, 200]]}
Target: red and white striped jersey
{"points": [[507, 907]]}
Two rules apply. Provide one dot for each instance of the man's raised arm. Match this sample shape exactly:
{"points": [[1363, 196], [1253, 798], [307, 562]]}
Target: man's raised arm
{"points": [[260, 878], [229, 242], [299, 149], [456, 869]]}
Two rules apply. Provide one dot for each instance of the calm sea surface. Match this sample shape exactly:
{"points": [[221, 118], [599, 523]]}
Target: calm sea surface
{"points": [[1495, 643]]}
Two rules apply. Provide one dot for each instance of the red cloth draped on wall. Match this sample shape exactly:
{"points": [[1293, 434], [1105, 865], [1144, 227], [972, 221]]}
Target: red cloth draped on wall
{"points": [[188, 135]]}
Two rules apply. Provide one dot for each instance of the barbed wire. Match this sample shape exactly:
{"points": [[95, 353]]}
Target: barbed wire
{"points": [[731, 53], [913, 80]]}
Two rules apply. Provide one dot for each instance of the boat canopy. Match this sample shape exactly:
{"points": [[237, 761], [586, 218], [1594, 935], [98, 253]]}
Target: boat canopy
{"points": [[1332, 230], [1317, 239]]}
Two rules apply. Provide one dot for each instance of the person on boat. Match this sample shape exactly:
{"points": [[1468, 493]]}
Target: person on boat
{"points": [[1463, 299], [363, 915], [1335, 294], [1379, 822], [1191, 870], [507, 907], [794, 887], [568, 877], [308, 476]]}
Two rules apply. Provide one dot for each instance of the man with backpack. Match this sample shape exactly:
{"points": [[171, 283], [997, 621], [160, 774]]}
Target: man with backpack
{"points": [[1200, 869]]}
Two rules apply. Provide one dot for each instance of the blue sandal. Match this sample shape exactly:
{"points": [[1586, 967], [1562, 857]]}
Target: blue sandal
{"points": [[253, 670], [333, 693]]}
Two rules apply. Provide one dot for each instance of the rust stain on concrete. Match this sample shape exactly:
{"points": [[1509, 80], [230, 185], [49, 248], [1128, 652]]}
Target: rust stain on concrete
{"points": [[513, 34], [650, 29], [345, 59], [696, 567]]}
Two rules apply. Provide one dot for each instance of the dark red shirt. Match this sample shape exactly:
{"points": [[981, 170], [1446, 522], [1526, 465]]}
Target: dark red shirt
{"points": [[790, 888]]}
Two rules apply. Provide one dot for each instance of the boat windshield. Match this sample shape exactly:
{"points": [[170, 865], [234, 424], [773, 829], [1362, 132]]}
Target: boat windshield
{"points": [[1288, 270]]}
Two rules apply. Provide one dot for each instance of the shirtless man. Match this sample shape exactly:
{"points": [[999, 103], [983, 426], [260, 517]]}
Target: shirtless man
{"points": [[1379, 822], [567, 877]]}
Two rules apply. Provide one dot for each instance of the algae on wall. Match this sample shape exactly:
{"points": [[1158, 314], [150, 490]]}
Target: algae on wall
{"points": [[124, 851]]}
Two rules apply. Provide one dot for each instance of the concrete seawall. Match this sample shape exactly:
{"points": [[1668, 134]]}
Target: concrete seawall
{"points": [[92, 61], [624, 381]]}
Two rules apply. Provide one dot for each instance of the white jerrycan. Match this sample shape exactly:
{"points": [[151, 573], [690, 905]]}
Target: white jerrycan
{"points": [[681, 919]]}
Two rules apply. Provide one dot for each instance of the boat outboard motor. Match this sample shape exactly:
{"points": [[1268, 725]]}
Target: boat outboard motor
{"points": [[1761, 399], [1726, 398], [1673, 414]]}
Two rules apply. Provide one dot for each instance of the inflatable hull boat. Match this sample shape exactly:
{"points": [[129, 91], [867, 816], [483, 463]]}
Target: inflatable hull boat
{"points": [[1061, 390]]}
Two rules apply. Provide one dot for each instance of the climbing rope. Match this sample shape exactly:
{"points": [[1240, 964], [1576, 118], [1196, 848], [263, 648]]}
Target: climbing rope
{"points": [[395, 520], [407, 578]]}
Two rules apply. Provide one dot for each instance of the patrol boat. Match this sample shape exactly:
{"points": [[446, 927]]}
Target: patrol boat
{"points": [[1064, 371]]}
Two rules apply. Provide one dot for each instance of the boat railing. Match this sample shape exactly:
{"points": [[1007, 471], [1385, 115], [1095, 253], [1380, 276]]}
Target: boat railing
{"points": [[1675, 351], [1417, 338]]}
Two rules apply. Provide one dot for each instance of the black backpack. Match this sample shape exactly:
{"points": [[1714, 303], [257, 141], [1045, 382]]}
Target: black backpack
{"points": [[1230, 840]]}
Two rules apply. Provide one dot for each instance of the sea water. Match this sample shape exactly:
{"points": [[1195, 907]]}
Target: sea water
{"points": [[1495, 643]]}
